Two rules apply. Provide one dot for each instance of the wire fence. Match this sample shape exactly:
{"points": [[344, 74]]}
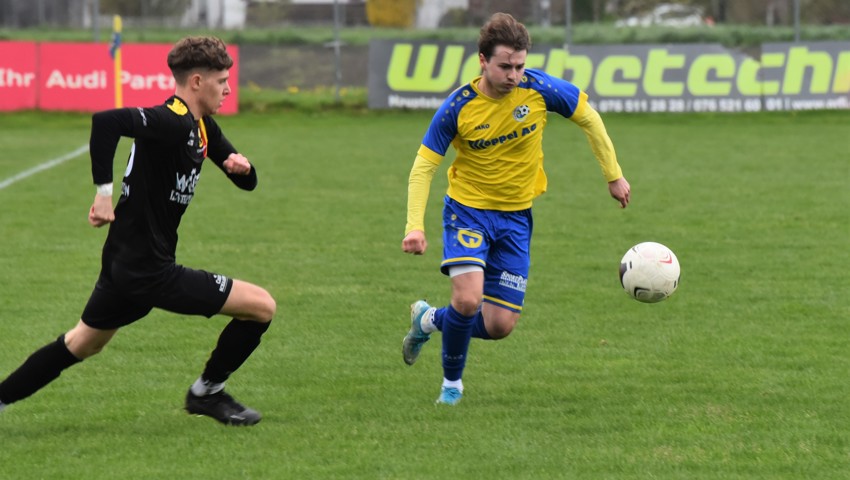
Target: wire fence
{"points": [[246, 14]]}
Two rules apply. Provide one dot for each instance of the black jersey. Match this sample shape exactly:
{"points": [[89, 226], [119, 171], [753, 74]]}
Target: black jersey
{"points": [[162, 172]]}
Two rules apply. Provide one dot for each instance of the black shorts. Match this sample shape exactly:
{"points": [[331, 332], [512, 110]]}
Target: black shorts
{"points": [[121, 297]]}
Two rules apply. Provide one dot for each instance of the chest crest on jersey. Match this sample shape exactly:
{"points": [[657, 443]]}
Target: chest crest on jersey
{"points": [[521, 112]]}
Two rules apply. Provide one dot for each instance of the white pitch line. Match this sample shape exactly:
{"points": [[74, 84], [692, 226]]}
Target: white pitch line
{"points": [[44, 166]]}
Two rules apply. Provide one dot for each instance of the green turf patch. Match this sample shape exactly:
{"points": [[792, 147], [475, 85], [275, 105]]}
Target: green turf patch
{"points": [[741, 374]]}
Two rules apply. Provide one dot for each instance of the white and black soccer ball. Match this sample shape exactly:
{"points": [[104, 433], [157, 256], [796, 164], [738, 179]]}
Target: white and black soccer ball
{"points": [[649, 272]]}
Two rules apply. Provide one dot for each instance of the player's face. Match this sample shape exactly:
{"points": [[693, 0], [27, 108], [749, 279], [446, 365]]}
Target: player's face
{"points": [[503, 72], [213, 89]]}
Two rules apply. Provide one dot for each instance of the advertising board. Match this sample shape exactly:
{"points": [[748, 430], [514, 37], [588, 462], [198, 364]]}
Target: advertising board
{"points": [[631, 78], [79, 76]]}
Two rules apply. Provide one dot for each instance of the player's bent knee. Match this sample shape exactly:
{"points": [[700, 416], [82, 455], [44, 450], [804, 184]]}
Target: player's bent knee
{"points": [[265, 307], [269, 308], [250, 302], [467, 309], [466, 305]]}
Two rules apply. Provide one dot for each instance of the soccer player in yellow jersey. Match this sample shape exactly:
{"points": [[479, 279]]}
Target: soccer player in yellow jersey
{"points": [[495, 123]]}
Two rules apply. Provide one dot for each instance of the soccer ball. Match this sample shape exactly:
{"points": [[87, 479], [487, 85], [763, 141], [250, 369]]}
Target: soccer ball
{"points": [[649, 272]]}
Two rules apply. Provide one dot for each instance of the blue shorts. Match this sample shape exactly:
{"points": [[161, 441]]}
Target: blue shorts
{"points": [[499, 242]]}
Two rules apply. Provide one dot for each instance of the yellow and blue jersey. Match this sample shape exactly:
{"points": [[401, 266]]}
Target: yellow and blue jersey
{"points": [[499, 162]]}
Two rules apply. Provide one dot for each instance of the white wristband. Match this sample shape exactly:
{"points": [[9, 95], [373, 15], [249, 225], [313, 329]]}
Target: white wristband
{"points": [[105, 189]]}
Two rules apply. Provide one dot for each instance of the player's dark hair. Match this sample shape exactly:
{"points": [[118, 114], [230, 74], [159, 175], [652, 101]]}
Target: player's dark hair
{"points": [[502, 29], [191, 53]]}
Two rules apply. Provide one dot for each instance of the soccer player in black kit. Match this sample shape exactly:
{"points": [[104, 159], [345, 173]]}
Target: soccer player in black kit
{"points": [[139, 270]]}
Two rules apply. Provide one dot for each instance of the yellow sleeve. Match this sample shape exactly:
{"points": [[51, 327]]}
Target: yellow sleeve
{"points": [[419, 186], [589, 120]]}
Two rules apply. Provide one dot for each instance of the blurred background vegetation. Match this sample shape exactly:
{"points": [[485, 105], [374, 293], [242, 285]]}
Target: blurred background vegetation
{"points": [[733, 23]]}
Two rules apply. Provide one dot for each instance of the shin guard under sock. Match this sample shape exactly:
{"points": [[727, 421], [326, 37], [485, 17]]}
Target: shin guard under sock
{"points": [[235, 344], [41, 368], [478, 328], [456, 335]]}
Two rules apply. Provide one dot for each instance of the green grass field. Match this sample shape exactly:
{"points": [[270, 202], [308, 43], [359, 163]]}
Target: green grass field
{"points": [[742, 374]]}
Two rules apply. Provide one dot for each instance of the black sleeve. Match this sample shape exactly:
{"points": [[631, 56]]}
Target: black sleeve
{"points": [[107, 128], [219, 148]]}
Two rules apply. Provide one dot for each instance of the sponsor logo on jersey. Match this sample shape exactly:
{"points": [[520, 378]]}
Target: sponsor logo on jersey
{"points": [[514, 282], [182, 199], [188, 182], [199, 141], [482, 127], [483, 143], [221, 281], [184, 188]]}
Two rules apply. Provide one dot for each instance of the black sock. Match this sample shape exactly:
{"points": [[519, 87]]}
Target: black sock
{"points": [[41, 368], [235, 344]]}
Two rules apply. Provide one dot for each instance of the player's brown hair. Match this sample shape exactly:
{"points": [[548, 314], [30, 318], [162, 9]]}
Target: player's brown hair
{"points": [[191, 53], [502, 29]]}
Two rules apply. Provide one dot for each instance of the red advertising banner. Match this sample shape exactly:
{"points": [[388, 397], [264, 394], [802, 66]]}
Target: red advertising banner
{"points": [[79, 76], [74, 76], [17, 75]]}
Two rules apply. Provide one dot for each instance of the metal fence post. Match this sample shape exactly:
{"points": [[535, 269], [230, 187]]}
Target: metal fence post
{"points": [[796, 20]]}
